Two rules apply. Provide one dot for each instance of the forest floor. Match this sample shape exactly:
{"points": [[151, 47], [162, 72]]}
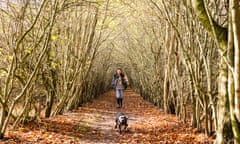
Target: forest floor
{"points": [[94, 123]]}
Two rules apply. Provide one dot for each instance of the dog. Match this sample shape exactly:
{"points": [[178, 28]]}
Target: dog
{"points": [[121, 120]]}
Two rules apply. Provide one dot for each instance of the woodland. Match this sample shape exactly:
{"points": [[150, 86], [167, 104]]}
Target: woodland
{"points": [[182, 56]]}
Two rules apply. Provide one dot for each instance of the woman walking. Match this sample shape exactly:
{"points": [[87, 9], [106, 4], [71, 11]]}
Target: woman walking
{"points": [[119, 84]]}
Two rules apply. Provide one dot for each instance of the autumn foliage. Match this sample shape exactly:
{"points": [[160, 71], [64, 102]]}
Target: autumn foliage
{"points": [[94, 123]]}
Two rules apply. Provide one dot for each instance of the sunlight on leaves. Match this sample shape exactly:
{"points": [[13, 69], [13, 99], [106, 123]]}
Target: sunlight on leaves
{"points": [[3, 73], [100, 2], [29, 50], [10, 57], [54, 37], [113, 25], [88, 62], [52, 55], [54, 65]]}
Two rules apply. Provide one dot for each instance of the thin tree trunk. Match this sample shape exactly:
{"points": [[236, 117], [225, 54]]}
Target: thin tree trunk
{"points": [[49, 102], [51, 93], [193, 107], [234, 79], [235, 10], [2, 116], [205, 110], [166, 83], [224, 131], [208, 99], [199, 126]]}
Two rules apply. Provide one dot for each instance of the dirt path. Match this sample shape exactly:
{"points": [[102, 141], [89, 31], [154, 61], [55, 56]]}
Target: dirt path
{"points": [[94, 123]]}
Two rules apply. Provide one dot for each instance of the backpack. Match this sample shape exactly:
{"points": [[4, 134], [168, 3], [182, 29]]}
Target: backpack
{"points": [[124, 83]]}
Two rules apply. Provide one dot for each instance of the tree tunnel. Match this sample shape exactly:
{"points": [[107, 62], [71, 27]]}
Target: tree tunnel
{"points": [[57, 55]]}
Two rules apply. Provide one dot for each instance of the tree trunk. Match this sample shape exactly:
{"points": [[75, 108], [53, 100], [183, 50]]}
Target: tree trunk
{"points": [[166, 93], [6, 120], [199, 126], [51, 94], [224, 131], [167, 69], [235, 8], [76, 96], [205, 110], [193, 107], [2, 119], [49, 103], [234, 56], [219, 34]]}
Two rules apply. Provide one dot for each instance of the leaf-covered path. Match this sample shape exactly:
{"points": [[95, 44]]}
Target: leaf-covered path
{"points": [[94, 123]]}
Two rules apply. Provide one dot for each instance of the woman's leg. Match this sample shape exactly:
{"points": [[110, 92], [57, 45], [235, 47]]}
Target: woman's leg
{"points": [[121, 97], [120, 102], [118, 96]]}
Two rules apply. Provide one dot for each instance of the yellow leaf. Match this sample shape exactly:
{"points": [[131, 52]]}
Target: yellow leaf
{"points": [[100, 2], [28, 50], [88, 62], [54, 65], [10, 57], [54, 37], [3, 73], [52, 55]]}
